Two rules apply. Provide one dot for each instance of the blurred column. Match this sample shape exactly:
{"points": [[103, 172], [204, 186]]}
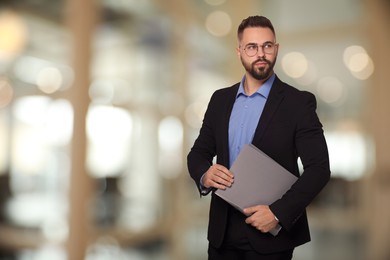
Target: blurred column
{"points": [[178, 188], [81, 18], [377, 197]]}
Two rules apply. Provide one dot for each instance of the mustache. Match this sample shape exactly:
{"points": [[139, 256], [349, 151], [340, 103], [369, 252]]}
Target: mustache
{"points": [[262, 60]]}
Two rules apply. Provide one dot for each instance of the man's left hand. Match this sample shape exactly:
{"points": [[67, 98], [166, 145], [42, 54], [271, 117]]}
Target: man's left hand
{"points": [[261, 217]]}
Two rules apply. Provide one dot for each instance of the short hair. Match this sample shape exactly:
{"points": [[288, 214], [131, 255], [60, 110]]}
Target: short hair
{"points": [[254, 21]]}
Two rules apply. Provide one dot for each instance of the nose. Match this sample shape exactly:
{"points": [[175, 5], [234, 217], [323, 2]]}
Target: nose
{"points": [[260, 51]]}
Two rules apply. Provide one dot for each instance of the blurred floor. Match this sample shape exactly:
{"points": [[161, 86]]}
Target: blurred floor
{"points": [[335, 242], [325, 245]]}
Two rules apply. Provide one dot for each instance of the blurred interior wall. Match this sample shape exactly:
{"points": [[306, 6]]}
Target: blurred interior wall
{"points": [[378, 194], [81, 18]]}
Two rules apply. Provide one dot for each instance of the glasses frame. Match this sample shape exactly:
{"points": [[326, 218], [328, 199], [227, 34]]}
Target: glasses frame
{"points": [[266, 50]]}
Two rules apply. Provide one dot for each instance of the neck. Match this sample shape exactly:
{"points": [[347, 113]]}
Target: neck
{"points": [[251, 85]]}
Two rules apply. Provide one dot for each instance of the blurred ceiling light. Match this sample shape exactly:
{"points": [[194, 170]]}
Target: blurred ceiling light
{"points": [[106, 247], [59, 122], [48, 76], [26, 68], [48, 251], [295, 64], [170, 139], [366, 72], [331, 91], [39, 124], [170, 133], [357, 60], [351, 57], [49, 80], [55, 228], [32, 209], [29, 152], [101, 91], [31, 110], [109, 131], [350, 153], [218, 23], [310, 76], [13, 35], [215, 2], [6, 93]]}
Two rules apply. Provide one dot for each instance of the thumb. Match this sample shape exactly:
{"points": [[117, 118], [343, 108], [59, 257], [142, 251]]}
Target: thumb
{"points": [[250, 210]]}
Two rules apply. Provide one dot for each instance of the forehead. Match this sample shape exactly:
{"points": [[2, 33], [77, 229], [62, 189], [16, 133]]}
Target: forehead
{"points": [[257, 35]]}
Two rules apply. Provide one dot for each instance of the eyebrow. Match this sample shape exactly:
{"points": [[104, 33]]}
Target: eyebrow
{"points": [[255, 43]]}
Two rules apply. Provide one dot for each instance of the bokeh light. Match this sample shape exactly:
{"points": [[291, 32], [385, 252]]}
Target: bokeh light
{"points": [[295, 64], [13, 35], [218, 23], [357, 60], [331, 91]]}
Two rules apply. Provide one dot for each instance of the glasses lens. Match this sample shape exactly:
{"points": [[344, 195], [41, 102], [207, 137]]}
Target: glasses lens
{"points": [[268, 48], [251, 50]]}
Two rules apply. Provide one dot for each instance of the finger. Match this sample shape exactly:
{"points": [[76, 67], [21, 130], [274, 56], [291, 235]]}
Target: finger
{"points": [[252, 219], [222, 179], [250, 210], [218, 177], [249, 220], [218, 185], [258, 226], [213, 180], [224, 170]]}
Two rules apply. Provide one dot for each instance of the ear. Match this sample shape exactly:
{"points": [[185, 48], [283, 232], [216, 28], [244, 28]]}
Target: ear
{"points": [[238, 52], [277, 49]]}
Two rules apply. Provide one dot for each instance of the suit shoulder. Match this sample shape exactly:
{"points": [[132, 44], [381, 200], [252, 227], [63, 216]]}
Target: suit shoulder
{"points": [[227, 91], [304, 94], [232, 88]]}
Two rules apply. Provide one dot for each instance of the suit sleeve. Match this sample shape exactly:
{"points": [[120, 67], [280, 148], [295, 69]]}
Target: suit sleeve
{"points": [[310, 146], [203, 151]]}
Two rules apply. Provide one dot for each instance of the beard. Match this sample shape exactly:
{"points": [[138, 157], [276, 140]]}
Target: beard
{"points": [[260, 73]]}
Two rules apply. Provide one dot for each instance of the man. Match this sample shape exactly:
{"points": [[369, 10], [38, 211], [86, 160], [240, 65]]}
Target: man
{"points": [[282, 122]]}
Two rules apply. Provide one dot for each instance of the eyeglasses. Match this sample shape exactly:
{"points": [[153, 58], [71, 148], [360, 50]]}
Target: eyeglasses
{"points": [[267, 48]]}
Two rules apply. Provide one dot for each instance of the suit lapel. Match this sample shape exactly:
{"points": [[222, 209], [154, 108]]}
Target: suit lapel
{"points": [[275, 97]]}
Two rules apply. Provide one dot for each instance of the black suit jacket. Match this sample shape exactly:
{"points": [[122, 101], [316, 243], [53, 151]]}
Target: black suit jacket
{"points": [[288, 128]]}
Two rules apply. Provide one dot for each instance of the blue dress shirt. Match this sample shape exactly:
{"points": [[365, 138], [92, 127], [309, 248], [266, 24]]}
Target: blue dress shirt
{"points": [[244, 119], [245, 116]]}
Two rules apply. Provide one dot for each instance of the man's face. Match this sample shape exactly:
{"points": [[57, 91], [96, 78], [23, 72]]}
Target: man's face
{"points": [[260, 66]]}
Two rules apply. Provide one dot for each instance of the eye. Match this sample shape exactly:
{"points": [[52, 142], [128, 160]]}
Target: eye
{"points": [[268, 45], [251, 47]]}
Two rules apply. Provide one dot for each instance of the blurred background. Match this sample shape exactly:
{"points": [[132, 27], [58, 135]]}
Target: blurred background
{"points": [[100, 102]]}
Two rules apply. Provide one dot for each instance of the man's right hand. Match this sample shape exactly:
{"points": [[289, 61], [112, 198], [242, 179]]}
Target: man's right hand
{"points": [[218, 176]]}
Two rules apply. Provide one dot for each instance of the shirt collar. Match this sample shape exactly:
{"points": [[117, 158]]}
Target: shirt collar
{"points": [[264, 90]]}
